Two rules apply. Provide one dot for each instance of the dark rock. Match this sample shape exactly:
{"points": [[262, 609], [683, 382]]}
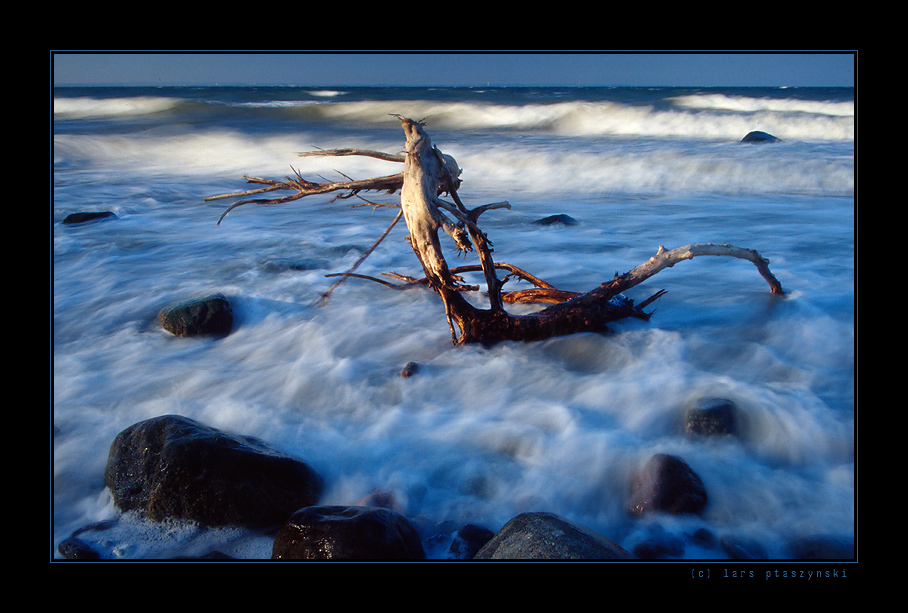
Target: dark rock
{"points": [[281, 265], [667, 484], [382, 499], [77, 218], [73, 548], [215, 555], [658, 548], [437, 538], [567, 220], [347, 533], [469, 540], [410, 369], [712, 416], [172, 467], [704, 538], [738, 548], [546, 536], [207, 315], [759, 137], [822, 547], [211, 555]]}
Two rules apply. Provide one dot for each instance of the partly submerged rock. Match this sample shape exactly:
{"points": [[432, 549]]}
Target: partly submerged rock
{"points": [[566, 220], [712, 416], [347, 533], [468, 540], [172, 467], [758, 136], [409, 369], [73, 548], [208, 315], [546, 536], [669, 485], [85, 217]]}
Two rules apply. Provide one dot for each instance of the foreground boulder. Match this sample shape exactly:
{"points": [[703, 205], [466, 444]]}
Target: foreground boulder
{"points": [[667, 484], [172, 467], [209, 315], [546, 536], [347, 533]]}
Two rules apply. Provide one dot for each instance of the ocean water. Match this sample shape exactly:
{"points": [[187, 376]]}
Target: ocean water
{"points": [[478, 434]]}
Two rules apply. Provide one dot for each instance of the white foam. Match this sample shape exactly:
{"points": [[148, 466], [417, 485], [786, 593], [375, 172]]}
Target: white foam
{"points": [[87, 108], [477, 434]]}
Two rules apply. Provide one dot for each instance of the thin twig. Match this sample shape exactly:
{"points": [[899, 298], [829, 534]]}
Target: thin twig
{"points": [[324, 298]]}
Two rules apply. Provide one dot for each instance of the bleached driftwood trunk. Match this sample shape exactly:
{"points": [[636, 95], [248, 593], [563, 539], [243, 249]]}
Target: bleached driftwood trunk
{"points": [[430, 219]]}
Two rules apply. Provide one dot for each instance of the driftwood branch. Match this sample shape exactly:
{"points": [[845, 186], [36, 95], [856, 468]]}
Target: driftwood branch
{"points": [[302, 188], [666, 259], [324, 299], [428, 173], [380, 155]]}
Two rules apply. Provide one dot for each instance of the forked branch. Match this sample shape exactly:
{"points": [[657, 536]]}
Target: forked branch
{"points": [[427, 174], [301, 188]]}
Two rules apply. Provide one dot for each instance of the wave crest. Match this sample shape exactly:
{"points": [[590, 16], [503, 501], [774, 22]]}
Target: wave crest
{"points": [[87, 108], [709, 120]]}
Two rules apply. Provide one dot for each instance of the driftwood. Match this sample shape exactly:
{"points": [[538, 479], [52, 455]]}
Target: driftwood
{"points": [[427, 176]]}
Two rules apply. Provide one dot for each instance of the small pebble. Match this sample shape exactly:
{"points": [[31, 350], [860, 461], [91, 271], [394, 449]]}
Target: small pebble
{"points": [[410, 369]]}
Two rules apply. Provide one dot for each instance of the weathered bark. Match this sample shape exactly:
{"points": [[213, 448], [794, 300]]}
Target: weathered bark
{"points": [[424, 169], [426, 176]]}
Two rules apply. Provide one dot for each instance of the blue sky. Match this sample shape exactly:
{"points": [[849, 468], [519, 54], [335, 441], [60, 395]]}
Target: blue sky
{"points": [[456, 68]]}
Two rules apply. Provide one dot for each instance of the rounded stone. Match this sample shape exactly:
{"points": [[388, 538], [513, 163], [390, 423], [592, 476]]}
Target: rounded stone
{"points": [[347, 533]]}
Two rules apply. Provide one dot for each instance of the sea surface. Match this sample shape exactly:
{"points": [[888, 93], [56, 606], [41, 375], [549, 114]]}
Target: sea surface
{"points": [[477, 435]]}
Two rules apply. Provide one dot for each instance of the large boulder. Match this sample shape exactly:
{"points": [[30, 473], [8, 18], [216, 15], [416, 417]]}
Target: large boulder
{"points": [[347, 533], [667, 484], [546, 536], [208, 315], [172, 467]]}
